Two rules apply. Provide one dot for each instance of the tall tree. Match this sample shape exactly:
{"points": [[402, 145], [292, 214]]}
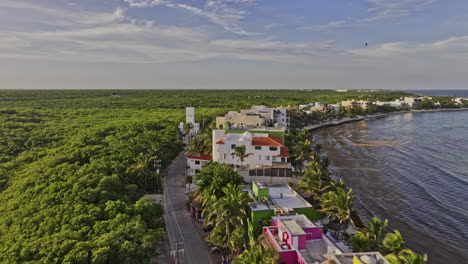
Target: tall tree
{"points": [[337, 205], [312, 181], [228, 215], [214, 177], [375, 229], [240, 152], [143, 167]]}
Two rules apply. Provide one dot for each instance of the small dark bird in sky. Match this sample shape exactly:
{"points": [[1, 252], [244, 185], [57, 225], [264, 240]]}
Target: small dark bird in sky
{"points": [[366, 44]]}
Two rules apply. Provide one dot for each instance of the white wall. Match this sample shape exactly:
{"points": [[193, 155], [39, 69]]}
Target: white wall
{"points": [[192, 166]]}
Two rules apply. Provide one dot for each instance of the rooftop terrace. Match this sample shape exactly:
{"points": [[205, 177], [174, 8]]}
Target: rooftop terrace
{"points": [[280, 197], [285, 197]]}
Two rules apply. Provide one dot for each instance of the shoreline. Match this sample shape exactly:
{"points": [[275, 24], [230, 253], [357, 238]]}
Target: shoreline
{"points": [[448, 249], [346, 120]]}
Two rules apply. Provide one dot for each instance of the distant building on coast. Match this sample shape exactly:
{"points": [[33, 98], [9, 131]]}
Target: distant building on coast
{"points": [[353, 104], [256, 116], [413, 102], [395, 104]]}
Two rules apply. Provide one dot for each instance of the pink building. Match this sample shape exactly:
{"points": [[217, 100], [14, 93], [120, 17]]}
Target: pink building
{"points": [[299, 240]]}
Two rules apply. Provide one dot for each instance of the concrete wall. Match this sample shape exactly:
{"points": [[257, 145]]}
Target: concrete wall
{"points": [[265, 179], [192, 166], [314, 232], [260, 215]]}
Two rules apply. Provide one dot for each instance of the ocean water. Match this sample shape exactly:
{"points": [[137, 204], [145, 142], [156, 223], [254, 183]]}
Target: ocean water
{"points": [[411, 169]]}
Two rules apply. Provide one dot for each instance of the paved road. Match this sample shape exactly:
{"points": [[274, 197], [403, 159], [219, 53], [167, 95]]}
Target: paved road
{"points": [[180, 227]]}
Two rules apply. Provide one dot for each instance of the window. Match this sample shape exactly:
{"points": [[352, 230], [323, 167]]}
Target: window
{"points": [[224, 156], [259, 223], [273, 148], [233, 146], [259, 157], [258, 147], [197, 171], [267, 157], [197, 162]]}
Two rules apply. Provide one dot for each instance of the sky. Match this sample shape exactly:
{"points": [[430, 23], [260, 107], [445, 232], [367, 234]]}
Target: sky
{"points": [[233, 44]]}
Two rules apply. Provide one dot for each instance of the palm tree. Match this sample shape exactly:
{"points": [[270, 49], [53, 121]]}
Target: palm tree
{"points": [[228, 215], [393, 242], [337, 205], [240, 154], [187, 128], [201, 145], [407, 256], [361, 242], [312, 181], [375, 229], [256, 255], [142, 167]]}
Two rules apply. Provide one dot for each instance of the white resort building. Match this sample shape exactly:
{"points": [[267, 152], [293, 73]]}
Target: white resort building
{"points": [[256, 116], [356, 104], [267, 154], [189, 119]]}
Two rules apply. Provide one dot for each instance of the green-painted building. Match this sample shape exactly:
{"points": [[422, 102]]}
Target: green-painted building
{"points": [[272, 200]]}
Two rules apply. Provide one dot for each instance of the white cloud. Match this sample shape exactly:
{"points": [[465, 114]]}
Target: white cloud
{"points": [[455, 48], [144, 3], [327, 27], [225, 13], [384, 9]]}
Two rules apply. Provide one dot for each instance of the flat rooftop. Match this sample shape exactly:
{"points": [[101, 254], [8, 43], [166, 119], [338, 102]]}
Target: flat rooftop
{"points": [[293, 227], [314, 251], [259, 206], [364, 257], [284, 197], [301, 220]]}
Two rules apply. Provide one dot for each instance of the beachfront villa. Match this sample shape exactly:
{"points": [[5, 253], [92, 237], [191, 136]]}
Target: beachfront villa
{"points": [[334, 107], [189, 119], [356, 104], [460, 100], [196, 163], [277, 200], [395, 104], [412, 101], [266, 154], [317, 106], [254, 117]]}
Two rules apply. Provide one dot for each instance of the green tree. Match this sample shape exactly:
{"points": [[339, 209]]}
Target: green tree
{"points": [[408, 256], [228, 215], [361, 242], [201, 145], [143, 168], [312, 181], [337, 205], [240, 152], [393, 243], [375, 229], [214, 177]]}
